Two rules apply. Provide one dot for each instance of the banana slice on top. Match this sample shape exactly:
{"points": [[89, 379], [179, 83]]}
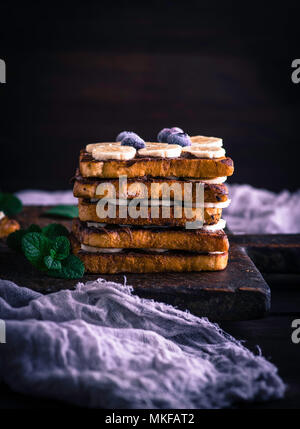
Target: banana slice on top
{"points": [[207, 142], [89, 148], [113, 151], [161, 150], [203, 152]]}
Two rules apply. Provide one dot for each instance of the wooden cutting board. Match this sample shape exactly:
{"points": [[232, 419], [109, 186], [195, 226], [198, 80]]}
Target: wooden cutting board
{"points": [[237, 293]]}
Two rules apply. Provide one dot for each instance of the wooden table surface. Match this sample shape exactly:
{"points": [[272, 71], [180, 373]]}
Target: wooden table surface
{"points": [[277, 257]]}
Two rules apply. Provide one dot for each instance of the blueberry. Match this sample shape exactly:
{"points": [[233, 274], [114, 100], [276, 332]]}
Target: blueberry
{"points": [[163, 135], [124, 134], [134, 141], [182, 139], [176, 130]]}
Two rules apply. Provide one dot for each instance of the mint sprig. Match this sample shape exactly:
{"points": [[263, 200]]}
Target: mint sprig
{"points": [[60, 249], [10, 204], [35, 246], [48, 249], [52, 264], [70, 268]]}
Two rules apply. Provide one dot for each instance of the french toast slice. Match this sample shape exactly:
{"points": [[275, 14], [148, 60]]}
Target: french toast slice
{"points": [[186, 165], [8, 226], [146, 262], [156, 238], [87, 213], [141, 188]]}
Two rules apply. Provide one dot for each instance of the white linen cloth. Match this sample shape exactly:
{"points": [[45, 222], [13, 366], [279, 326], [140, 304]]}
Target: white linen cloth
{"points": [[252, 210], [101, 346], [258, 211]]}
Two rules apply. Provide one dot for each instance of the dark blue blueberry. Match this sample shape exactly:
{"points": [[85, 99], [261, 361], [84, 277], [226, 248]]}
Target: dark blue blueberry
{"points": [[163, 135], [176, 130], [134, 141], [182, 139], [124, 134]]}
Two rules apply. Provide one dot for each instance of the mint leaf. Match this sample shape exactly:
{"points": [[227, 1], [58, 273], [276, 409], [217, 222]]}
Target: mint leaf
{"points": [[61, 248], [48, 249], [51, 263], [52, 253], [10, 204], [54, 230], [14, 240], [63, 211], [35, 246], [72, 268], [33, 228]]}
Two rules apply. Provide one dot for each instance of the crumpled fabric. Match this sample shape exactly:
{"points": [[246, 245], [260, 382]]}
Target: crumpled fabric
{"points": [[100, 346], [258, 211]]}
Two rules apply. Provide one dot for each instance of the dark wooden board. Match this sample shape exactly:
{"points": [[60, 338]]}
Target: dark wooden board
{"points": [[272, 253], [237, 293]]}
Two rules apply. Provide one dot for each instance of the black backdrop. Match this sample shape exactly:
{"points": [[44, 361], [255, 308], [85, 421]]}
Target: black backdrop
{"points": [[80, 73]]}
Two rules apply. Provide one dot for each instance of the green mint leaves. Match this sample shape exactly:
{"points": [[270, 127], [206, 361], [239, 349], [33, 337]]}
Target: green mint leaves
{"points": [[60, 249], [48, 249], [10, 204], [54, 230], [63, 211], [35, 246], [71, 268], [51, 263]]}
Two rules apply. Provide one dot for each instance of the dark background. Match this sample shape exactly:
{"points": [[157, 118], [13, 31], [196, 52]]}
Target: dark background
{"points": [[80, 73]]}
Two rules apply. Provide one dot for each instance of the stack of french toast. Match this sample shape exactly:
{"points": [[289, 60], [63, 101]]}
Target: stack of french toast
{"points": [[147, 207]]}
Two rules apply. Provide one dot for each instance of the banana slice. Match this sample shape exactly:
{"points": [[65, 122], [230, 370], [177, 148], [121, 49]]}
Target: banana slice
{"points": [[106, 151], [200, 152], [161, 150], [93, 249], [206, 142], [216, 227], [220, 205], [215, 181], [96, 224], [89, 148]]}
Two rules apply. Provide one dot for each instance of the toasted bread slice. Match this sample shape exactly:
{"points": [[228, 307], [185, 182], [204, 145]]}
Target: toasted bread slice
{"points": [[142, 187], [154, 238], [8, 226], [87, 213], [184, 166], [142, 262]]}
